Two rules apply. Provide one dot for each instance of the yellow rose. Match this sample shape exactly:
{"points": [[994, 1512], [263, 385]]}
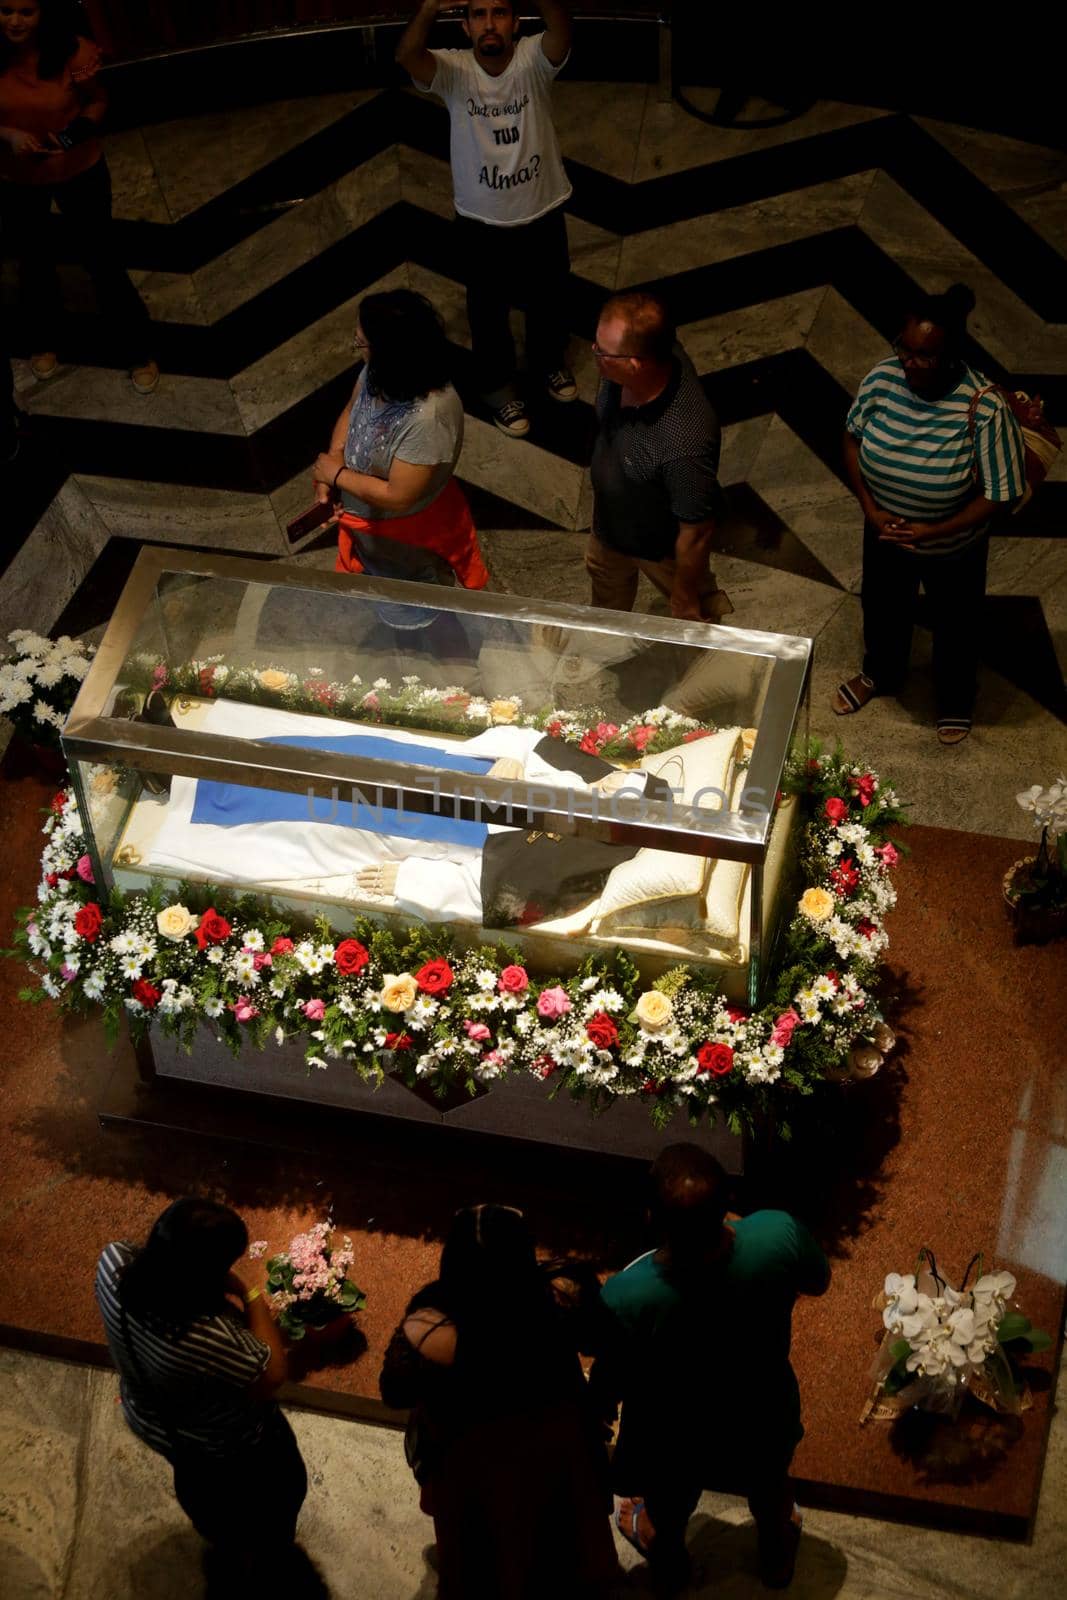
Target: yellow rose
{"points": [[175, 922], [273, 679], [398, 991], [748, 739], [503, 710], [816, 904], [653, 1010]]}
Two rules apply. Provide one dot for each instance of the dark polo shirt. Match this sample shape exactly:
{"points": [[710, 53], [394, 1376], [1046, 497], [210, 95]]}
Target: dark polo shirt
{"points": [[655, 466]]}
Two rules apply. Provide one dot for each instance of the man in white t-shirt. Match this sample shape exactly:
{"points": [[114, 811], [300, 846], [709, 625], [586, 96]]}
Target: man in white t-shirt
{"points": [[507, 173]]}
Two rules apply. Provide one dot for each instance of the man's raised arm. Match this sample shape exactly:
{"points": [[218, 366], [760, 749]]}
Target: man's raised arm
{"points": [[556, 39], [411, 53]]}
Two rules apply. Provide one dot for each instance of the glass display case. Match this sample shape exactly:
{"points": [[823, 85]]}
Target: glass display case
{"points": [[561, 778]]}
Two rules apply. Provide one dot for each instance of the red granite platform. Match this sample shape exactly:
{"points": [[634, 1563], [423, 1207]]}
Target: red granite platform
{"points": [[960, 1144]]}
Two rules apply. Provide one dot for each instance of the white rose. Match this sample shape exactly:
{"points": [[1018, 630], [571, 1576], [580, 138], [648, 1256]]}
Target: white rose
{"points": [[653, 1010], [175, 922]]}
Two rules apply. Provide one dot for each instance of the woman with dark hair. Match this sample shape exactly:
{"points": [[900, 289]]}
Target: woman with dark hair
{"points": [[51, 108], [932, 451], [502, 1439], [394, 450], [196, 1377]]}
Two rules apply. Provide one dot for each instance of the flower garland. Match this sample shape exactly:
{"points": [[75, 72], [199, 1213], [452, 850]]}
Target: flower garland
{"points": [[413, 1004], [413, 704]]}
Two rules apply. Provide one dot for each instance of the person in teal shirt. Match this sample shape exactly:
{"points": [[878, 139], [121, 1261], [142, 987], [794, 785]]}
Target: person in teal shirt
{"points": [[698, 1354]]}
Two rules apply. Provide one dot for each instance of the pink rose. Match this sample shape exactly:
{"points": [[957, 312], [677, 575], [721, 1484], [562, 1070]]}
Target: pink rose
{"points": [[477, 1031], [889, 854], [513, 980], [314, 1010], [492, 1058], [85, 870], [261, 959], [552, 1003], [835, 810], [68, 974], [642, 737], [606, 731], [371, 701], [783, 1027], [244, 1010]]}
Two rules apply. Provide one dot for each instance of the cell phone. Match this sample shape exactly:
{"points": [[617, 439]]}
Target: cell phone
{"points": [[315, 516], [75, 132]]}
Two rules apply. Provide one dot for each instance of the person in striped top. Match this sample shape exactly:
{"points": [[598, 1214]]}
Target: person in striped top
{"points": [[932, 453], [197, 1376]]}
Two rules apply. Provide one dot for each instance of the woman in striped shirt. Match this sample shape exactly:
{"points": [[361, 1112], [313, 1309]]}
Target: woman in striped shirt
{"points": [[929, 464], [196, 1380]]}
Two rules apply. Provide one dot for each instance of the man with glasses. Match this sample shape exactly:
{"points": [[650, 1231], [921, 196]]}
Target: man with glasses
{"points": [[510, 187], [656, 493]]}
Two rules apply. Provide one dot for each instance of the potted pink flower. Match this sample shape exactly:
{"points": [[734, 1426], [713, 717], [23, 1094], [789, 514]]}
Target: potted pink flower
{"points": [[308, 1284]]}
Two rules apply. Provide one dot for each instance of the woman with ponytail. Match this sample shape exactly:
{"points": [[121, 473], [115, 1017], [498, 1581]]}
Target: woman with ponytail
{"points": [[932, 452]]}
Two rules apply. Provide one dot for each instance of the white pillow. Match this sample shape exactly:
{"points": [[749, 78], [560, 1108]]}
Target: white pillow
{"points": [[724, 891], [664, 888]]}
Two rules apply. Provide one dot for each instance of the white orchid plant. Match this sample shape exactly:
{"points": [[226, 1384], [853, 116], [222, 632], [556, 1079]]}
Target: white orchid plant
{"points": [[1046, 881], [941, 1342], [39, 683]]}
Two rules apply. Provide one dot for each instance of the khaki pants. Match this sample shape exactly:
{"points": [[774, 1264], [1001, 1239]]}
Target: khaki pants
{"points": [[614, 579]]}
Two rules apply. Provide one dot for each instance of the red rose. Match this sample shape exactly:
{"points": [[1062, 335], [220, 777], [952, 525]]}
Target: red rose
{"points": [[89, 921], [398, 1041], [281, 947], [206, 680], [836, 810], [59, 802], [544, 1066], [435, 977], [213, 929], [51, 878], [866, 927], [589, 744], [602, 1031], [695, 733], [718, 1059], [351, 957], [513, 980], [146, 993], [554, 729], [735, 1014]]}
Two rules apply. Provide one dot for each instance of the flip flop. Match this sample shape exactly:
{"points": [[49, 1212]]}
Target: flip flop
{"points": [[855, 695], [953, 730], [633, 1537]]}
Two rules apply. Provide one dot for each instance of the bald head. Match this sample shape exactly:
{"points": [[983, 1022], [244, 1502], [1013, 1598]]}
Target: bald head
{"points": [[643, 324]]}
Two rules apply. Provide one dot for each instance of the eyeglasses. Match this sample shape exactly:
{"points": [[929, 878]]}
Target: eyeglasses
{"points": [[616, 355], [908, 358]]}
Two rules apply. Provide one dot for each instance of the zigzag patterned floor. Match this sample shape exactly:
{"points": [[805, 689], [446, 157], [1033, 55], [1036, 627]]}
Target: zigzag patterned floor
{"points": [[787, 254]]}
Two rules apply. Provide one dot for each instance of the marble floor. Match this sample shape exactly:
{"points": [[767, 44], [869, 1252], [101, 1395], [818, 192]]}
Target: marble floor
{"points": [[787, 253], [86, 1513]]}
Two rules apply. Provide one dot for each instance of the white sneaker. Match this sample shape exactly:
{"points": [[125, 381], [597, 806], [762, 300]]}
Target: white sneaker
{"points": [[511, 419]]}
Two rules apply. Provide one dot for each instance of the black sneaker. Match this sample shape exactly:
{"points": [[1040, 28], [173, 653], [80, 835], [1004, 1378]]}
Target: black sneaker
{"points": [[511, 419], [561, 386]]}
